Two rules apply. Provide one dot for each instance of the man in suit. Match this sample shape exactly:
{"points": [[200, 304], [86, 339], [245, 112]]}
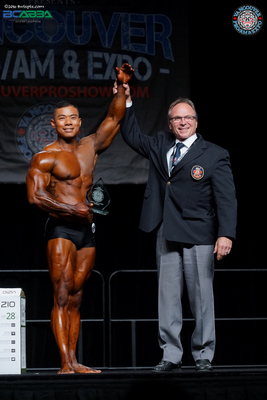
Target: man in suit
{"points": [[190, 201]]}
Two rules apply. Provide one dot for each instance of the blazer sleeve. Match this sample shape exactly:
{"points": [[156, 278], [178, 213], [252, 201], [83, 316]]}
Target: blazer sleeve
{"points": [[225, 197], [133, 136]]}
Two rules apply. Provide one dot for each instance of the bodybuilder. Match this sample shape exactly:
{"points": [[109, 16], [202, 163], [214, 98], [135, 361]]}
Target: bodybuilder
{"points": [[57, 181]]}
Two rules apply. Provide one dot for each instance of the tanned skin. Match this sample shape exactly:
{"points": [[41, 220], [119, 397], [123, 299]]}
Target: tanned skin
{"points": [[57, 181]]}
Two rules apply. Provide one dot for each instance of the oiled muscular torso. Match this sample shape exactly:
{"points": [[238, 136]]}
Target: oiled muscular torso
{"points": [[72, 172]]}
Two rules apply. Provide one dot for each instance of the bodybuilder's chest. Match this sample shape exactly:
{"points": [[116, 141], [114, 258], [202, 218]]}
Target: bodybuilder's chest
{"points": [[71, 166]]}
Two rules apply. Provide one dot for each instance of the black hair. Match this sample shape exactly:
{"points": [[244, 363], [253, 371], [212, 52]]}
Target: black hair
{"points": [[61, 104]]}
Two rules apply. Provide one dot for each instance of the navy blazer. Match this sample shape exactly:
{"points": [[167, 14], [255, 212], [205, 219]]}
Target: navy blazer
{"points": [[197, 204]]}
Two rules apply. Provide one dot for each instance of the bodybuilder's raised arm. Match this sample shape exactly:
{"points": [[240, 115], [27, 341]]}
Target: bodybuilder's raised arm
{"points": [[111, 124]]}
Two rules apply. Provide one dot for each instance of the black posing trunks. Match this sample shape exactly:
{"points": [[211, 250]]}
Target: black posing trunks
{"points": [[80, 235]]}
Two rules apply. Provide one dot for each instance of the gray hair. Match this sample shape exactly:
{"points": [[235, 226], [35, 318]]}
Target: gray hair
{"points": [[182, 100]]}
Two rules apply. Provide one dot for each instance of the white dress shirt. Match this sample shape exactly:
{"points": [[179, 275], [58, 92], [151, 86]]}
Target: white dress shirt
{"points": [[187, 144]]}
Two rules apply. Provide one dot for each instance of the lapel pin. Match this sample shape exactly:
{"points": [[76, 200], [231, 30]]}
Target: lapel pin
{"points": [[197, 172]]}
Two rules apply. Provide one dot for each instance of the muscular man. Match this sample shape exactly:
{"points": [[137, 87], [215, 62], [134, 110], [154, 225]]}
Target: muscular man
{"points": [[58, 180]]}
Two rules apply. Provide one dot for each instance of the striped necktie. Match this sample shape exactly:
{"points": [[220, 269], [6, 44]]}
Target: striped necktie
{"points": [[175, 155]]}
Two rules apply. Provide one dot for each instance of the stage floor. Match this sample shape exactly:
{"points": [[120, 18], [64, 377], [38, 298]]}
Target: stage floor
{"points": [[138, 384]]}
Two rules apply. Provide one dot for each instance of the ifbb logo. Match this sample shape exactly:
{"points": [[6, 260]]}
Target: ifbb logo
{"points": [[247, 20], [34, 130]]}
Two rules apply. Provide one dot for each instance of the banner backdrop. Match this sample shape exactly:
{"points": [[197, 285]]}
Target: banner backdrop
{"points": [[52, 50]]}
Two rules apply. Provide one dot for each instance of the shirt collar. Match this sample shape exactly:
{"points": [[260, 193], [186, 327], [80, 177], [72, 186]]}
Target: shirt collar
{"points": [[189, 141]]}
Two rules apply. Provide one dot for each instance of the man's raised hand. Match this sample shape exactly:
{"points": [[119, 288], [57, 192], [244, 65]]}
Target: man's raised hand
{"points": [[124, 73]]}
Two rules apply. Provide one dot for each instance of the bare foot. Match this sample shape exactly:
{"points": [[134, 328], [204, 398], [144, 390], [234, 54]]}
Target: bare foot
{"points": [[66, 369], [82, 369]]}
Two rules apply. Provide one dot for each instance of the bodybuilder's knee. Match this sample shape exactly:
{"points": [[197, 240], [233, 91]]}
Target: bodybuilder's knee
{"points": [[61, 297]]}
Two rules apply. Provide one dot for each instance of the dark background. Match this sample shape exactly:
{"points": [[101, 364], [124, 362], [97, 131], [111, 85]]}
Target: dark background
{"points": [[227, 80]]}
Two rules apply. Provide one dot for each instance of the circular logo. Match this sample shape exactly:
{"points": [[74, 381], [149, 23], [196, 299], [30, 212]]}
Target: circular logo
{"points": [[98, 195], [197, 172], [247, 20], [34, 130]]}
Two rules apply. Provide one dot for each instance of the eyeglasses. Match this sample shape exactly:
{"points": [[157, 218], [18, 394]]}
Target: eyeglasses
{"points": [[187, 118]]}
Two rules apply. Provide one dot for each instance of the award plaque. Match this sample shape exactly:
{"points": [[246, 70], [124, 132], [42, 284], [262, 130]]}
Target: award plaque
{"points": [[98, 195]]}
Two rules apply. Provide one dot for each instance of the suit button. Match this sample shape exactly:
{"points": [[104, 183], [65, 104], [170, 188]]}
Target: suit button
{"points": [[168, 183]]}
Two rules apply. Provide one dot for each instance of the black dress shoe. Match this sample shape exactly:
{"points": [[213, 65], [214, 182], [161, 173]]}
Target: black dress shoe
{"points": [[203, 365], [166, 366]]}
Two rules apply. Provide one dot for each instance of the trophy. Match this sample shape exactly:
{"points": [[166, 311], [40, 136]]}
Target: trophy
{"points": [[98, 195]]}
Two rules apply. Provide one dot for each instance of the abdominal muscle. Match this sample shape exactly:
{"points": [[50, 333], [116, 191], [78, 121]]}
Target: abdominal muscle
{"points": [[71, 191]]}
